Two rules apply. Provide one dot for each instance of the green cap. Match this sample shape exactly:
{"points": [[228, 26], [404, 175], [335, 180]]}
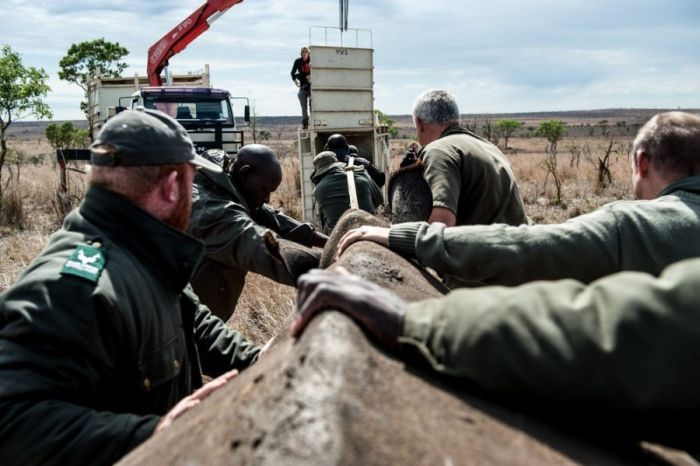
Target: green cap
{"points": [[324, 162], [146, 137]]}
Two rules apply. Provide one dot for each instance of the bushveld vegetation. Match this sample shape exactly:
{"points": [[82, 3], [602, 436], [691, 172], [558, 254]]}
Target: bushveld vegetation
{"points": [[32, 209]]}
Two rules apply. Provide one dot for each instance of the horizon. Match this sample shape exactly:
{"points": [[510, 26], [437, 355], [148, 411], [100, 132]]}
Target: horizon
{"points": [[532, 114]]}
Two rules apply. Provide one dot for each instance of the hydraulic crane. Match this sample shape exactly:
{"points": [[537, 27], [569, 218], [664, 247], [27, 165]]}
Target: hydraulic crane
{"points": [[181, 35]]}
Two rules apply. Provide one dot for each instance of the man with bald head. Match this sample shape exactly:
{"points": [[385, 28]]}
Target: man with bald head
{"points": [[230, 214]]}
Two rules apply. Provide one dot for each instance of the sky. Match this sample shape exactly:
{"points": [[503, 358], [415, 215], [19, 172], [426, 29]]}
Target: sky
{"points": [[496, 56]]}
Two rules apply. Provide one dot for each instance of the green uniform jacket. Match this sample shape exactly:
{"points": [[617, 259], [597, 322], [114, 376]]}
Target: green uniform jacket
{"points": [[643, 236], [472, 178], [89, 363], [626, 344], [332, 198], [234, 241]]}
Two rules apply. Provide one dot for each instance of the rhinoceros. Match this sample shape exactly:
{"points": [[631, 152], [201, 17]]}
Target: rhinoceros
{"points": [[334, 398]]}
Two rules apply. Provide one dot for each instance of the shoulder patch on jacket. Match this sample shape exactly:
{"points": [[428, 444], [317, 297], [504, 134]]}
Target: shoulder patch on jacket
{"points": [[86, 262]]}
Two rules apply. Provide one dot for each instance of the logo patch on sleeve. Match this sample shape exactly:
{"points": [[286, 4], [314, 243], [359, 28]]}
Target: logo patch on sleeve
{"points": [[86, 262]]}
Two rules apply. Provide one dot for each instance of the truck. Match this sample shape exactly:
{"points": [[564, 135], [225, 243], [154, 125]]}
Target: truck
{"points": [[206, 113]]}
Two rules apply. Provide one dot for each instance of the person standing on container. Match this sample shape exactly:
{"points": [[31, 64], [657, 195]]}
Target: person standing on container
{"points": [[300, 75]]}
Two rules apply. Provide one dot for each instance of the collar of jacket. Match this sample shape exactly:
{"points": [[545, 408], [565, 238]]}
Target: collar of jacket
{"points": [[456, 129], [690, 184], [170, 253]]}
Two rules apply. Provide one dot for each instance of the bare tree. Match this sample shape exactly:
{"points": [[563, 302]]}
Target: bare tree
{"points": [[602, 166]]}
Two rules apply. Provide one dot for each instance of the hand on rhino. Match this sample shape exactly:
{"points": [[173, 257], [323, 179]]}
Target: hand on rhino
{"points": [[377, 310], [379, 235]]}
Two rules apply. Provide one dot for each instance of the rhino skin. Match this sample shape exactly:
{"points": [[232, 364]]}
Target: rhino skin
{"points": [[410, 199]]}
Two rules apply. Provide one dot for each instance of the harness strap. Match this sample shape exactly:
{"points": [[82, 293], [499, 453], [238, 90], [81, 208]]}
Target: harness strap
{"points": [[350, 173]]}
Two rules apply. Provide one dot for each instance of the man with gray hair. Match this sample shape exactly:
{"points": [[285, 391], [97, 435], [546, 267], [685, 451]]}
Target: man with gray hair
{"points": [[470, 179], [102, 340]]}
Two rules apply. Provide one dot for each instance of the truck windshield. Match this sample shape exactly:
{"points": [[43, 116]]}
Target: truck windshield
{"points": [[190, 109]]}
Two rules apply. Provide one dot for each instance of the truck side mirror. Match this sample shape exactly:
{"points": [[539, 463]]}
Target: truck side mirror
{"points": [[246, 115], [118, 109]]}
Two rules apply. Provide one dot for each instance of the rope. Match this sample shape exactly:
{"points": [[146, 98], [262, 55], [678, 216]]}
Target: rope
{"points": [[350, 173]]}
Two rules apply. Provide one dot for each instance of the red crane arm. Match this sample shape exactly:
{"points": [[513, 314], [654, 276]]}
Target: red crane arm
{"points": [[181, 35]]}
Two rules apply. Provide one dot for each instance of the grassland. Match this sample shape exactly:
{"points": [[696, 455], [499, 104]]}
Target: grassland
{"points": [[31, 211]]}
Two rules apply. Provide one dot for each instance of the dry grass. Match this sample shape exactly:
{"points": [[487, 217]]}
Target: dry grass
{"points": [[265, 305], [262, 308]]}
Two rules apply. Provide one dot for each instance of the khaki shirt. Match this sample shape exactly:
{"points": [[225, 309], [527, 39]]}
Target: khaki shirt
{"points": [[472, 178]]}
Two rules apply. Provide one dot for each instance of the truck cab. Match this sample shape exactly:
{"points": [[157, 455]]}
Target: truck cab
{"points": [[206, 113]]}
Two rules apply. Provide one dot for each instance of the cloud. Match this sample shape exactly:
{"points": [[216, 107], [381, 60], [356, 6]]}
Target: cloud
{"points": [[501, 55]]}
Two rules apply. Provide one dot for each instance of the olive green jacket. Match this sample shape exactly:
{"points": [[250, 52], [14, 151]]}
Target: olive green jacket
{"points": [[234, 241], [626, 346], [332, 198], [472, 178], [101, 335], [643, 236]]}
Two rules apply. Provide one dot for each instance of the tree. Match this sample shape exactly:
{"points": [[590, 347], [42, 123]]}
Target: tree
{"points": [[59, 136], [66, 135], [553, 131], [87, 59], [390, 124], [505, 128], [21, 95]]}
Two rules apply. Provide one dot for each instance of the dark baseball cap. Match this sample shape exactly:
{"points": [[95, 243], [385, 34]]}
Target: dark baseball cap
{"points": [[146, 137]]}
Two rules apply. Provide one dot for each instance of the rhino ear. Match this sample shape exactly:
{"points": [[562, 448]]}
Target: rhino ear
{"points": [[297, 258]]}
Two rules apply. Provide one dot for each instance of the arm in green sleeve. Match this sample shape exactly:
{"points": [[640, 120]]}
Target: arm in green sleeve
{"points": [[625, 342], [220, 347], [287, 227], [508, 255], [232, 238]]}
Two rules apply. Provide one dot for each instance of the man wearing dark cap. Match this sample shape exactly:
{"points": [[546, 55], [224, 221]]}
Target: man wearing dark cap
{"points": [[102, 340], [332, 189], [338, 144], [231, 215]]}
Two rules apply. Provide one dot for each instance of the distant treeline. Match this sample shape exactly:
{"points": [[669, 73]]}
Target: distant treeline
{"points": [[36, 129]]}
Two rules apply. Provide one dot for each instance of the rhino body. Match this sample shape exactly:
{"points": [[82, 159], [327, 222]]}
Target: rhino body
{"points": [[334, 398]]}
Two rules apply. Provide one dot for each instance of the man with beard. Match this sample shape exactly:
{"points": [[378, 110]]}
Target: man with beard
{"points": [[231, 215], [102, 340]]}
